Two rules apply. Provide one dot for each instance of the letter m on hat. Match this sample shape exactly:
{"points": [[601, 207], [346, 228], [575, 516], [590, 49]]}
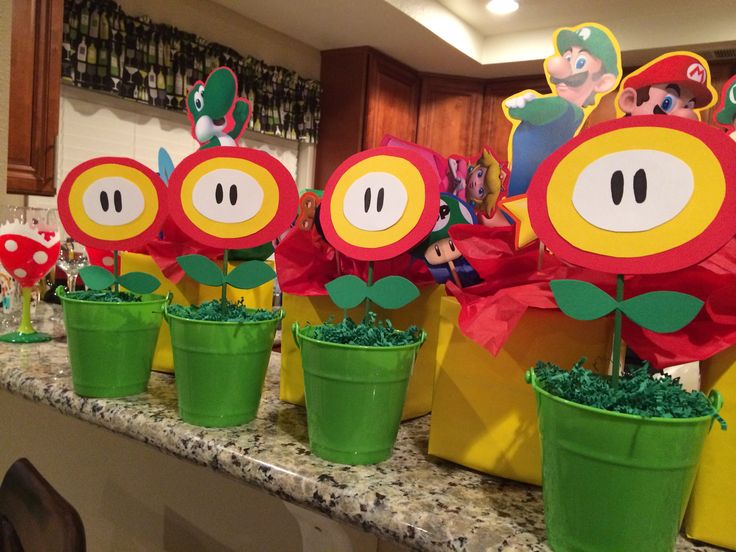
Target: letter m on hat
{"points": [[697, 73]]}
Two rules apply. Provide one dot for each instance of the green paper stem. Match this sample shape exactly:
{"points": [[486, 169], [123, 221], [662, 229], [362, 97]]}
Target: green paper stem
{"points": [[617, 332], [223, 296], [116, 270], [370, 283]]}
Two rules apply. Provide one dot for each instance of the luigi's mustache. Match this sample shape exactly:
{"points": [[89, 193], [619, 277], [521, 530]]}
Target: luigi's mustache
{"points": [[573, 81]]}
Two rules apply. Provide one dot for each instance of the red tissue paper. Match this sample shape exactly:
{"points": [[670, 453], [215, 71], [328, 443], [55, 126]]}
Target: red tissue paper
{"points": [[305, 263], [514, 282]]}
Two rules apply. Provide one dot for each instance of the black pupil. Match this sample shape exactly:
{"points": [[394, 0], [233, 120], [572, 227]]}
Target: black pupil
{"points": [[379, 201], [617, 187], [452, 245], [218, 193], [640, 186], [233, 194], [437, 250], [118, 201], [104, 201], [367, 200]]}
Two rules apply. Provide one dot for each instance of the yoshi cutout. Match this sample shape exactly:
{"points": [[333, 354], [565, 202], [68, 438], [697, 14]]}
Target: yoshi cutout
{"points": [[217, 115]]}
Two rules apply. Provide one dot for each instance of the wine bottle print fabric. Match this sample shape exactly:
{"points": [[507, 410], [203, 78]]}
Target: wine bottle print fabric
{"points": [[105, 49]]}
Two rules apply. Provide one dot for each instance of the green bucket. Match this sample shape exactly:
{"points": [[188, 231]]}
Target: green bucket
{"points": [[111, 345], [354, 396], [615, 482], [220, 368]]}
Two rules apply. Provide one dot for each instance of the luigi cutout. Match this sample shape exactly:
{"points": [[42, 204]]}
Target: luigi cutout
{"points": [[725, 114], [443, 259], [217, 114]]}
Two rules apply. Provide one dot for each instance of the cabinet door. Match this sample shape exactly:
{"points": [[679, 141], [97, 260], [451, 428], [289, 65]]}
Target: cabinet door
{"points": [[450, 115], [392, 101], [33, 118]]}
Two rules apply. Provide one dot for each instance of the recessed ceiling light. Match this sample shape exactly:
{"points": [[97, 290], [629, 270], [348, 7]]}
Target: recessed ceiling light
{"points": [[502, 7]]}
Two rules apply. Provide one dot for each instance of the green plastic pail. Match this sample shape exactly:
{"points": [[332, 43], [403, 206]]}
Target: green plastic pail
{"points": [[615, 482], [354, 396], [111, 345], [220, 368]]}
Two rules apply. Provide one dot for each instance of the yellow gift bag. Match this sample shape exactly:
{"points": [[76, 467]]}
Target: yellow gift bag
{"points": [[424, 312], [711, 514], [188, 292], [484, 414]]}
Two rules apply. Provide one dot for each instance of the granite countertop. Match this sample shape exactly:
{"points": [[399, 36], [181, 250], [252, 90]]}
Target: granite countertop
{"points": [[420, 501]]}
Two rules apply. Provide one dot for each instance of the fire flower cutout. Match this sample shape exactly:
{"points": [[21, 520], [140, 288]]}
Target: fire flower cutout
{"points": [[231, 198], [640, 195], [113, 203], [378, 204]]}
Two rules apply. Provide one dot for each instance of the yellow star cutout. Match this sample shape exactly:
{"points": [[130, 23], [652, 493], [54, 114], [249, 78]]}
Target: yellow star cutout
{"points": [[516, 208]]}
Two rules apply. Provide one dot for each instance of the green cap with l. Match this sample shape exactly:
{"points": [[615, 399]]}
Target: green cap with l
{"points": [[727, 112], [594, 38]]}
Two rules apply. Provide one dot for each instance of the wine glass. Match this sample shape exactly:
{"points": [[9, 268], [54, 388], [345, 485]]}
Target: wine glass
{"points": [[29, 247], [72, 257]]}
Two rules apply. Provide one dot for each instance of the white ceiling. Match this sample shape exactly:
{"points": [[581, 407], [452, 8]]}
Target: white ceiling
{"points": [[461, 37]]}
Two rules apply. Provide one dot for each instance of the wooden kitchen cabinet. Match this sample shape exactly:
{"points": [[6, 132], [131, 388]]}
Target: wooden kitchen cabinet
{"points": [[365, 95], [33, 116], [450, 115]]}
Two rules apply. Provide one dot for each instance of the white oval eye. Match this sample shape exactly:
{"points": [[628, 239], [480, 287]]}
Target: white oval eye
{"points": [[199, 99], [113, 201], [227, 195], [633, 190], [375, 201], [443, 217]]}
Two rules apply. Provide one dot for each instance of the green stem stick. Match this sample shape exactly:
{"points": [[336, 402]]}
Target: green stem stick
{"points": [[370, 283], [617, 332], [116, 270], [223, 296]]}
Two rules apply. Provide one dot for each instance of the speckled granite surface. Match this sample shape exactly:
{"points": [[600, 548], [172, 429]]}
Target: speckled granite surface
{"points": [[422, 502]]}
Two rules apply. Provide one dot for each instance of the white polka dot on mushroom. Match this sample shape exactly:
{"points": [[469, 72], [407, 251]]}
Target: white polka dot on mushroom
{"points": [[107, 261], [11, 245], [20, 273], [40, 257]]}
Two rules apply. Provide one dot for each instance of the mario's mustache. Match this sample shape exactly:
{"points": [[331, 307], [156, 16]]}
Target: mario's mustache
{"points": [[573, 81]]}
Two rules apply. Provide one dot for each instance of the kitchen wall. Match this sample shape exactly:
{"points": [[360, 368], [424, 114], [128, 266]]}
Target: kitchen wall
{"points": [[93, 124]]}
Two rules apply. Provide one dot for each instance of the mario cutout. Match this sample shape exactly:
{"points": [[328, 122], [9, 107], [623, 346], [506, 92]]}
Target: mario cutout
{"points": [[443, 259], [725, 113], [586, 66], [677, 83]]}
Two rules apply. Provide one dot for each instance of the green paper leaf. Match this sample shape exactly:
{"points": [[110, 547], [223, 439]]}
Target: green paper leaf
{"points": [[581, 300], [662, 311], [250, 274], [393, 292], [139, 282], [96, 277], [347, 291], [201, 269]]}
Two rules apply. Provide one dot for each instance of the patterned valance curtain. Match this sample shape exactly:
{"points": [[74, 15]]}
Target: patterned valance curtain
{"points": [[105, 49]]}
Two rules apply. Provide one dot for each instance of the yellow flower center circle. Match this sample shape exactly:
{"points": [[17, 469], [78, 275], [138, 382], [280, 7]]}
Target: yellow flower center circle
{"points": [[113, 202], [363, 220], [632, 211]]}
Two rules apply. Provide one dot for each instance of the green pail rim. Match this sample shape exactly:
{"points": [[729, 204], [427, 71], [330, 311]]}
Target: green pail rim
{"points": [[152, 298], [296, 331], [714, 397], [168, 315]]}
